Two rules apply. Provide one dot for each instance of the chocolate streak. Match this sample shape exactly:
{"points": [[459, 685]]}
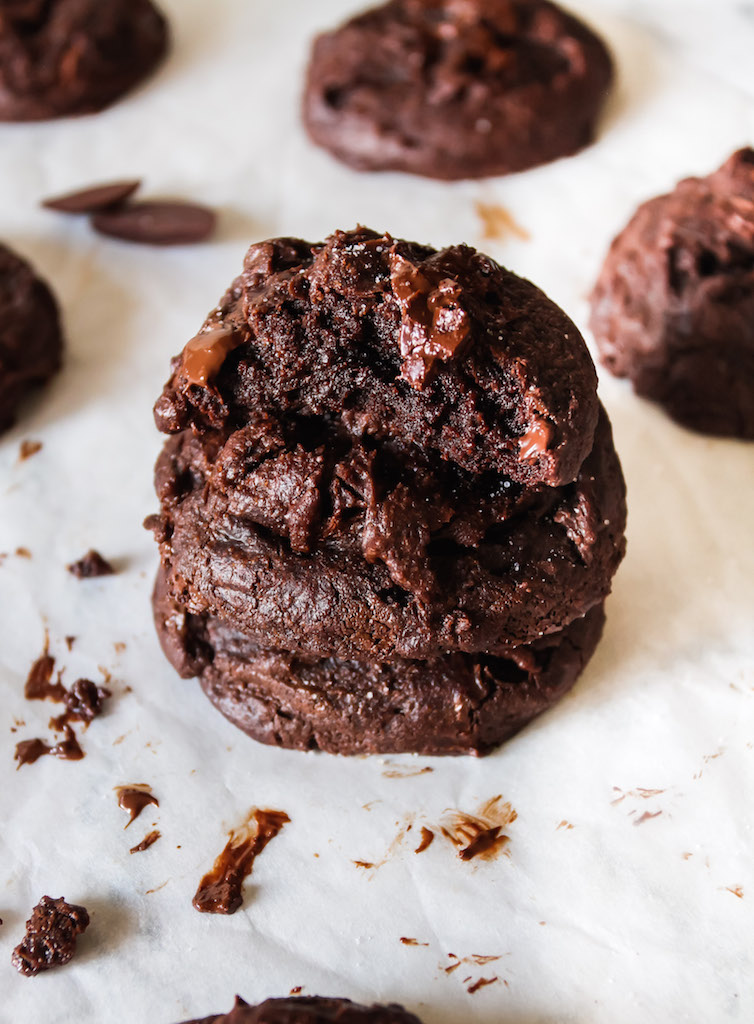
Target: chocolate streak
{"points": [[69, 749], [219, 891], [134, 799], [149, 839]]}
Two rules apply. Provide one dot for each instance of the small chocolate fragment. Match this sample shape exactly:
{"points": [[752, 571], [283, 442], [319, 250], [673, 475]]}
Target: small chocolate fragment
{"points": [[149, 839], [433, 323], [93, 199], [91, 566], [27, 449], [219, 891], [134, 799], [50, 939], [84, 700], [157, 223], [29, 751]]}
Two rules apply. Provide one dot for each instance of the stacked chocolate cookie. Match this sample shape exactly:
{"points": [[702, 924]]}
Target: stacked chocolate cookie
{"points": [[391, 508]]}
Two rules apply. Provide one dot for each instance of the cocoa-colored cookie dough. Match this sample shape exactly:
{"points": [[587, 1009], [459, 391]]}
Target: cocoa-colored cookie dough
{"points": [[311, 1010], [449, 704], [673, 308], [64, 57], [31, 340], [456, 88], [389, 472], [51, 934]]}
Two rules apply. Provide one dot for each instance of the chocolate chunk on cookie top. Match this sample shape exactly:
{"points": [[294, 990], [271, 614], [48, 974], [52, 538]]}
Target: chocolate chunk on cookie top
{"points": [[64, 57], [394, 341], [673, 308], [311, 1010], [51, 934], [31, 340], [456, 88]]}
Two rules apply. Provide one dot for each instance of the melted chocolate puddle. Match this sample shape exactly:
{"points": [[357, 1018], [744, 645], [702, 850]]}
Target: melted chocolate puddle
{"points": [[219, 891], [134, 799]]}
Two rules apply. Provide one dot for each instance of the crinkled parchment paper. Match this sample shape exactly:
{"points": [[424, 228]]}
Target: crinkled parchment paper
{"points": [[627, 890]]}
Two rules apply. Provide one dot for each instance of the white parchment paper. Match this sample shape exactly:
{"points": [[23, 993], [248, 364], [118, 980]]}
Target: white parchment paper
{"points": [[642, 910]]}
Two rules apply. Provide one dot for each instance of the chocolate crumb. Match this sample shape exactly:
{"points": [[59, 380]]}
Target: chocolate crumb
{"points": [[157, 223], [69, 642], [295, 990], [412, 942], [93, 198], [91, 566], [23, 553], [50, 939], [367, 864], [219, 891], [149, 839], [27, 449]]}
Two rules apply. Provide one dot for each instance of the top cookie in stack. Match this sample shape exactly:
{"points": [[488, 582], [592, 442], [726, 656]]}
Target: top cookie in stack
{"points": [[391, 507]]}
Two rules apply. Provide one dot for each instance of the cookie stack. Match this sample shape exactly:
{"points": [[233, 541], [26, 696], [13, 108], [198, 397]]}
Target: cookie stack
{"points": [[391, 508]]}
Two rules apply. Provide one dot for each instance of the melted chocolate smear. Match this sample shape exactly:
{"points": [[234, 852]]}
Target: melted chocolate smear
{"points": [[91, 566], [204, 354], [39, 684], [93, 198], [498, 223], [149, 840], [412, 942], [51, 934], [69, 749], [157, 223], [426, 840], [27, 449], [434, 325], [481, 983], [481, 834], [219, 891], [134, 799]]}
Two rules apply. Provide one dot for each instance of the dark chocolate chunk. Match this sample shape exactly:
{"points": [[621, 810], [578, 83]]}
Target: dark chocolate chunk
{"points": [[91, 566], [94, 198], [51, 934], [157, 222]]}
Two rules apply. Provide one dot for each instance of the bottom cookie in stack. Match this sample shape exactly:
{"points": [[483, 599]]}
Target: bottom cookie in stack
{"points": [[311, 1010], [452, 704]]}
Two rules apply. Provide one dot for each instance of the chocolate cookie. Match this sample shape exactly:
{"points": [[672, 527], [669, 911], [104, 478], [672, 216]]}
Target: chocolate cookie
{"points": [[399, 344], [31, 340], [311, 1010], [673, 308], [456, 88], [348, 554], [449, 704], [64, 57], [389, 472]]}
